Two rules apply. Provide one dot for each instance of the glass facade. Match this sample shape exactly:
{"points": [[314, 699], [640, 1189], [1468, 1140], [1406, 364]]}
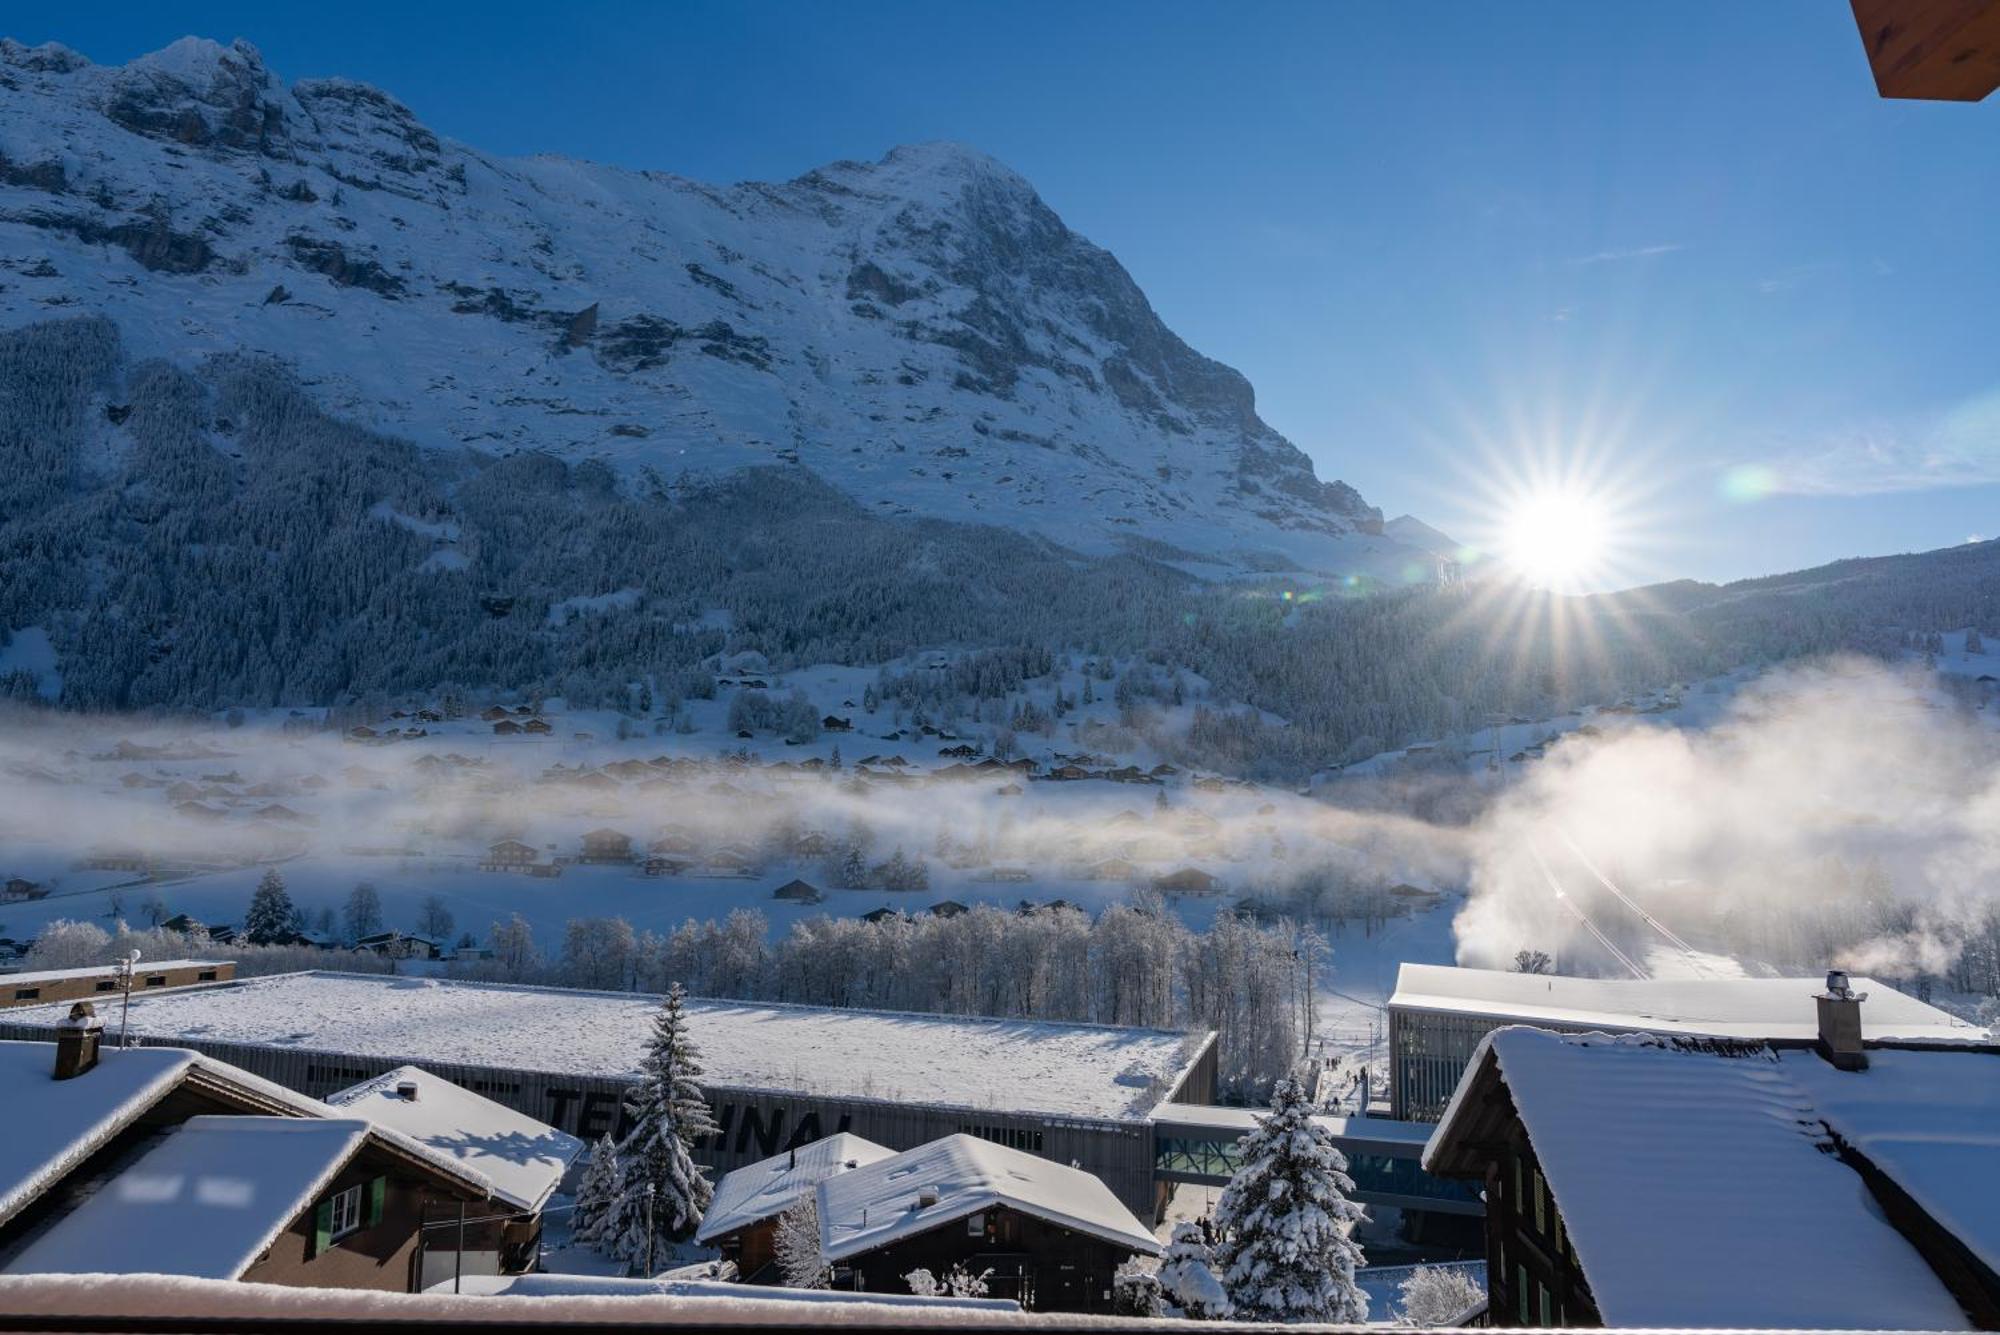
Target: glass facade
{"points": [[1377, 1175]]}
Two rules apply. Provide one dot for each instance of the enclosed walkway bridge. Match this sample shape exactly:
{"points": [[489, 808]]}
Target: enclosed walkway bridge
{"points": [[1197, 1144]]}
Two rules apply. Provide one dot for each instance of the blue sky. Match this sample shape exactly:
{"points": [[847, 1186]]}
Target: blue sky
{"points": [[1450, 244]]}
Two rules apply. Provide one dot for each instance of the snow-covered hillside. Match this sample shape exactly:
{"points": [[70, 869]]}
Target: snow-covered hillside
{"points": [[923, 331]]}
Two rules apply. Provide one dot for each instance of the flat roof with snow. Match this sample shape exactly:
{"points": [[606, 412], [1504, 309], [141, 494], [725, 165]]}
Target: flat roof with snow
{"points": [[106, 971], [1749, 1008], [1096, 1072]]}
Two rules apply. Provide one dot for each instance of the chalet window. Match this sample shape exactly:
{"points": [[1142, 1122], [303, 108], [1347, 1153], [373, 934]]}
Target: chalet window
{"points": [[346, 1215], [205, 976], [27, 993], [156, 980], [107, 984], [1541, 1208], [355, 1207], [1521, 1294], [1548, 1307]]}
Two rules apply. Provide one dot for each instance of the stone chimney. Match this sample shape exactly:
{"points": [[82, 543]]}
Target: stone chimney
{"points": [[77, 1038], [1840, 1023]]}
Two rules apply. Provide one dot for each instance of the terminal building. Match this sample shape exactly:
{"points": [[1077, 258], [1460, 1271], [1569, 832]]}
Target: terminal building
{"points": [[1439, 1013], [779, 1077]]}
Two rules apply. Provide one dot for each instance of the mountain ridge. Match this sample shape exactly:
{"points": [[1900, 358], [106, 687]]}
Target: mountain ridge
{"points": [[923, 331]]}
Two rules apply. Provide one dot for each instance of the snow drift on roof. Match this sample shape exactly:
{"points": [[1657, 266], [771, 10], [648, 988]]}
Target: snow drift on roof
{"points": [[1030, 1066], [1753, 1008], [1930, 1121], [1696, 1190], [205, 1201], [878, 1203], [524, 1159], [771, 1186]]}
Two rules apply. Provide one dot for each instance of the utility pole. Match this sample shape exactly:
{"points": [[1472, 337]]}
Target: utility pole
{"points": [[126, 968]]}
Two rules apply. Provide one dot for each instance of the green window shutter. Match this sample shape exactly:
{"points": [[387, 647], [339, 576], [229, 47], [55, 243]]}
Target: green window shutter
{"points": [[377, 1190], [322, 1226]]}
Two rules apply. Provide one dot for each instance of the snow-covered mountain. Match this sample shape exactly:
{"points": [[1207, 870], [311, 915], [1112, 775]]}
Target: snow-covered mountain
{"points": [[1414, 532], [923, 332]]}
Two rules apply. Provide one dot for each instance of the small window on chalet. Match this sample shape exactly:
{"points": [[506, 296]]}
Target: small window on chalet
{"points": [[205, 976], [156, 980], [346, 1216], [27, 993], [107, 984], [1541, 1205], [355, 1207], [975, 1225]]}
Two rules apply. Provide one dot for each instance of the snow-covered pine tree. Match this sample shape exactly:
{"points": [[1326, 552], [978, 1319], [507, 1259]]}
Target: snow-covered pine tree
{"points": [[271, 919], [595, 1194], [1187, 1276], [1286, 1253], [797, 1246], [669, 1115]]}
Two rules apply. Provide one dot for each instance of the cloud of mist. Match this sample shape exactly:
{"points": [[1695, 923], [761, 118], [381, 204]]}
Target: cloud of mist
{"points": [[394, 813], [1844, 814]]}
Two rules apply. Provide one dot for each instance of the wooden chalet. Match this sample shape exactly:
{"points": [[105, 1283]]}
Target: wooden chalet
{"points": [[796, 891], [509, 855], [742, 1219], [506, 727], [157, 1160], [1811, 1185], [606, 845], [1045, 1234], [20, 888], [1187, 881]]}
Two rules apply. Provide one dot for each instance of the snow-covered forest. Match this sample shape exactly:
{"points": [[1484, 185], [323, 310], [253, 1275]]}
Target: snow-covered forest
{"points": [[203, 539]]}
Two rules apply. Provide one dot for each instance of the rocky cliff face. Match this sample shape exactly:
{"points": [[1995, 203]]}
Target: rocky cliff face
{"points": [[923, 332]]}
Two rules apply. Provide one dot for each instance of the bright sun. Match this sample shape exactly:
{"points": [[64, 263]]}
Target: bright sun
{"points": [[1557, 538]]}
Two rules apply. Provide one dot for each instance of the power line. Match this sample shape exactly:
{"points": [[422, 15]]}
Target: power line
{"points": [[1562, 896], [1693, 956]]}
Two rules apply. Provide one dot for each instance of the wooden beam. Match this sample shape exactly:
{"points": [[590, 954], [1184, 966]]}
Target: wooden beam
{"points": [[1937, 50]]}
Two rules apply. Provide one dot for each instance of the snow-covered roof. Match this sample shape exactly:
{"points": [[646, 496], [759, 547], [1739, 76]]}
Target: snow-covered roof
{"points": [[771, 1186], [879, 1203], [1077, 1070], [524, 1159], [1751, 1008], [1695, 1186], [40, 976], [205, 1201], [1930, 1121], [48, 1126]]}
